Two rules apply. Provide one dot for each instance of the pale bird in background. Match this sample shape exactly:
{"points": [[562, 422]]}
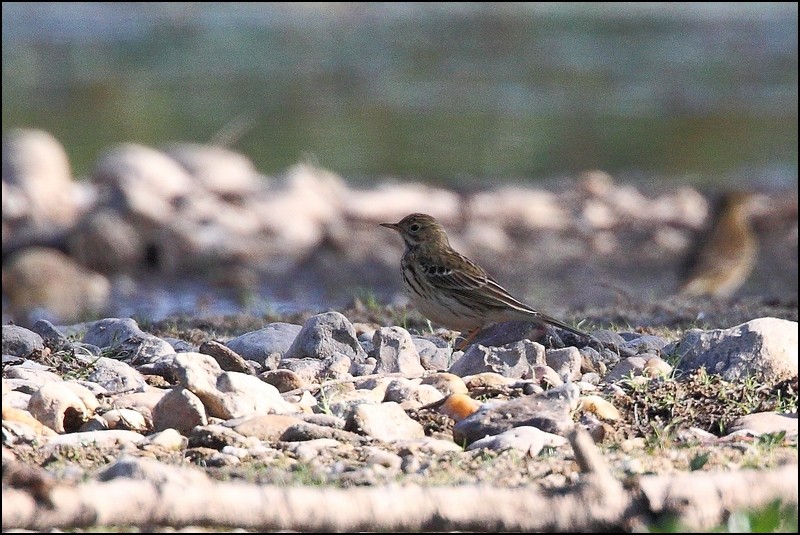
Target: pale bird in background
{"points": [[452, 290], [722, 257]]}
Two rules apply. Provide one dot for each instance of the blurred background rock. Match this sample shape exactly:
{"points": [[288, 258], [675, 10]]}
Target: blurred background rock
{"points": [[326, 118]]}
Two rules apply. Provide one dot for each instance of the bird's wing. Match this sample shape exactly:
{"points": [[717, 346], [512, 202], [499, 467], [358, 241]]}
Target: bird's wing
{"points": [[463, 277]]}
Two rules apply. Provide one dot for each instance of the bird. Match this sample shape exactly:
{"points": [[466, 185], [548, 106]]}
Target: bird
{"points": [[450, 289], [723, 255]]}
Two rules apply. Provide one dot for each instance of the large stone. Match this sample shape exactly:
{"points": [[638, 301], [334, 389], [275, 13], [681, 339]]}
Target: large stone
{"points": [[228, 394], [62, 407], [275, 338], [43, 282], [763, 347], [511, 360], [36, 168], [395, 352], [128, 341], [20, 342], [325, 334], [179, 409]]}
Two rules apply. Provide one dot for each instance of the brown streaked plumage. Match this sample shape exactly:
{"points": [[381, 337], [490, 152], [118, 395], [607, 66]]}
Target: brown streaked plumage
{"points": [[723, 256], [450, 289]]}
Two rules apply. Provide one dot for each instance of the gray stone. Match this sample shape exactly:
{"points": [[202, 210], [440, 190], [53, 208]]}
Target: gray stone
{"points": [[395, 352], [549, 411], [325, 334], [259, 345], [511, 360], [128, 342], [763, 347], [566, 362], [20, 342], [431, 356], [116, 376], [627, 368]]}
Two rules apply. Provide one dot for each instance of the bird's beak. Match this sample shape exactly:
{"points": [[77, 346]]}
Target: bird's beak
{"points": [[393, 226]]}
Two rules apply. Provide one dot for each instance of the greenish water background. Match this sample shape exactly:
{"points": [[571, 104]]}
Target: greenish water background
{"points": [[454, 94]]}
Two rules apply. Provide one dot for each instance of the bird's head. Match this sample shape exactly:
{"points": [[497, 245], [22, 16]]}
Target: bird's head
{"points": [[418, 229]]}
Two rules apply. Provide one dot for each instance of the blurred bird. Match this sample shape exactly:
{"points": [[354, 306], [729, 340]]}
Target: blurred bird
{"points": [[452, 290], [722, 256]]}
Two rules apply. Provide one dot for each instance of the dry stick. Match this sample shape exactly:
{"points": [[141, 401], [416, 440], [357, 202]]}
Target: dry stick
{"points": [[181, 501]]}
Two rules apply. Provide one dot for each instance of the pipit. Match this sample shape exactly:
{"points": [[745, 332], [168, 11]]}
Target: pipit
{"points": [[723, 256], [450, 289]]}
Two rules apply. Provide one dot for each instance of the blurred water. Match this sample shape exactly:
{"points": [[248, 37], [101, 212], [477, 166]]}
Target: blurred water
{"points": [[450, 93]]}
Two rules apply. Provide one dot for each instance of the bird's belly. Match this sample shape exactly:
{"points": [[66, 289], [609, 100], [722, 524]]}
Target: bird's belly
{"points": [[451, 314]]}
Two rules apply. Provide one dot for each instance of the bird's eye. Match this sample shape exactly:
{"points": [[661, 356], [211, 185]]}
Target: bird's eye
{"points": [[414, 227]]}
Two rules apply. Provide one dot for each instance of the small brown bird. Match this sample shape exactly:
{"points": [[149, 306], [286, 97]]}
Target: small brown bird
{"points": [[452, 290], [722, 257]]}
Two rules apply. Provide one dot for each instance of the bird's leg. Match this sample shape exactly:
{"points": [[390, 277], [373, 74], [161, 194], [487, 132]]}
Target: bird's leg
{"points": [[465, 342]]}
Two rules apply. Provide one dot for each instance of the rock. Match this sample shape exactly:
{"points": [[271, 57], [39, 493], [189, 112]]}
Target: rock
{"points": [[116, 376], [629, 367], [765, 348], [446, 383], [128, 341], [306, 431], [32, 379], [529, 440], [109, 242], [310, 370], [61, 407], [458, 406], [325, 334], [655, 367], [411, 395], [267, 427], [141, 181], [646, 343], [431, 356], [386, 421], [549, 411], [98, 439], [126, 419], [547, 376], [36, 168], [519, 207], [40, 281], [511, 360], [20, 342], [599, 406], [227, 358], [508, 332], [49, 334], [259, 345], [216, 437], [13, 414], [760, 423], [486, 380], [226, 173], [395, 352], [168, 439], [392, 202], [283, 380], [566, 362], [179, 409], [227, 394], [158, 473], [144, 401]]}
